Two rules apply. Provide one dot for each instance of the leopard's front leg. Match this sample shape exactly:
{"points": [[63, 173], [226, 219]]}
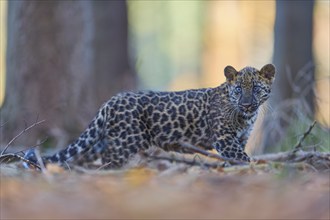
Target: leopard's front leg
{"points": [[229, 146], [243, 138]]}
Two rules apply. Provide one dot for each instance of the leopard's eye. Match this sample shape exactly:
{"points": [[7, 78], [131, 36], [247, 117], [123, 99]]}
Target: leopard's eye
{"points": [[238, 89], [256, 89]]}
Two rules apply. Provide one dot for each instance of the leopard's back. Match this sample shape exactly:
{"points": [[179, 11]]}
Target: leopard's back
{"points": [[162, 119], [130, 122]]}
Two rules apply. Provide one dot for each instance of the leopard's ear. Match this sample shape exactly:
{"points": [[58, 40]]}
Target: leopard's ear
{"points": [[268, 72], [230, 73]]}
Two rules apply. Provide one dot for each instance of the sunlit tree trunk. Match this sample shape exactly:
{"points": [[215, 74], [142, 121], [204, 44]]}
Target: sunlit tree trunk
{"points": [[64, 58], [293, 94]]}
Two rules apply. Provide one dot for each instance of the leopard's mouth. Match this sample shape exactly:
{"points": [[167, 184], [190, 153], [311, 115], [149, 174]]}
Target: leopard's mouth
{"points": [[248, 111]]}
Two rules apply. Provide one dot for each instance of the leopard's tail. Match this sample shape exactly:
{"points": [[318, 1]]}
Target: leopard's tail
{"points": [[85, 142]]}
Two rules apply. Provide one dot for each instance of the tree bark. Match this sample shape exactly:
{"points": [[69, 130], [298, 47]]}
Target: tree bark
{"points": [[293, 89], [64, 59]]}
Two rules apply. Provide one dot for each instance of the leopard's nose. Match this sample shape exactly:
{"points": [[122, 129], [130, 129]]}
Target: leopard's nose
{"points": [[246, 104], [246, 101]]}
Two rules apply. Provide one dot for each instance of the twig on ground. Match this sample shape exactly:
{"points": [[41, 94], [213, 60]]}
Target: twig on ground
{"points": [[31, 147], [11, 156], [302, 138], [40, 161], [104, 165], [22, 132], [43, 168], [94, 171], [67, 165]]}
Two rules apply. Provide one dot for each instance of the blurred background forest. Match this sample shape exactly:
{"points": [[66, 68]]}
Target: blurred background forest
{"points": [[60, 60]]}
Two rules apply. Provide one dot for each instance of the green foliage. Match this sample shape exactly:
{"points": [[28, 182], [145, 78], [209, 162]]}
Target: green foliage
{"points": [[318, 138]]}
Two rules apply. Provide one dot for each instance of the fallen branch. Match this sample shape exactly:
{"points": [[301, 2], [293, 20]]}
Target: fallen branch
{"points": [[285, 156], [318, 160], [313, 161], [190, 162], [297, 165], [211, 155]]}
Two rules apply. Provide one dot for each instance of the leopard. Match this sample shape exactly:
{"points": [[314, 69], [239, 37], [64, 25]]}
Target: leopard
{"points": [[219, 118]]}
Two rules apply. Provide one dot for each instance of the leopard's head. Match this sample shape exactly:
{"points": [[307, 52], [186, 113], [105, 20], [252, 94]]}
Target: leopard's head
{"points": [[249, 87]]}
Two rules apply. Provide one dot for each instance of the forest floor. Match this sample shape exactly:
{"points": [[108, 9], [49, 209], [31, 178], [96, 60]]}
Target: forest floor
{"points": [[162, 189]]}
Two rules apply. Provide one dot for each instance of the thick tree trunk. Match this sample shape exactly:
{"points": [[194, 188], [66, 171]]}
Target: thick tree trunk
{"points": [[64, 59], [293, 93], [111, 72]]}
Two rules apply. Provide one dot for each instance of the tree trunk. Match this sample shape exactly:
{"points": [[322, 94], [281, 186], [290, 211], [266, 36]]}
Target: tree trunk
{"points": [[292, 94], [111, 61], [64, 59]]}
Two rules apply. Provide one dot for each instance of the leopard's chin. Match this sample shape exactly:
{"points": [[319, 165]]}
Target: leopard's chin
{"points": [[248, 113]]}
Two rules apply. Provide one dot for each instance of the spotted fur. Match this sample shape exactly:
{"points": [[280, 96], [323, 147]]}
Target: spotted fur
{"points": [[219, 118]]}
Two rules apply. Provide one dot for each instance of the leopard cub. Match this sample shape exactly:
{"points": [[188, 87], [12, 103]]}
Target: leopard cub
{"points": [[219, 118]]}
